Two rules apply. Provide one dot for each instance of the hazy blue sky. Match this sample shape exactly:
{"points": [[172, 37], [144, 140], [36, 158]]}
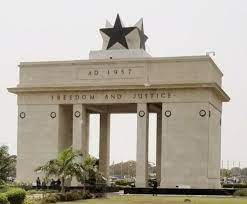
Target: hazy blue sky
{"points": [[62, 30]]}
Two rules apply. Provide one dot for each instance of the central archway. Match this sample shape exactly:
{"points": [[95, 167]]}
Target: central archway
{"points": [[123, 137]]}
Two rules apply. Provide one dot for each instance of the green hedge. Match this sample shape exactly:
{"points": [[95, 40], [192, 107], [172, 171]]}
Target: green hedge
{"points": [[123, 183], [30, 201], [56, 197], [51, 198], [3, 199], [241, 192], [16, 195], [3, 188], [236, 185], [75, 195]]}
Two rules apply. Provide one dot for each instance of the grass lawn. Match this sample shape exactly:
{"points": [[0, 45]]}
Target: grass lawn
{"points": [[129, 199]]}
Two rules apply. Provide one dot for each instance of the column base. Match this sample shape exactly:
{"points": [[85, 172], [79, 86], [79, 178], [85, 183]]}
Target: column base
{"points": [[205, 184]]}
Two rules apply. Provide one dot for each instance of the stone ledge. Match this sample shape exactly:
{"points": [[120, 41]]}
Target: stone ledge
{"points": [[25, 89]]}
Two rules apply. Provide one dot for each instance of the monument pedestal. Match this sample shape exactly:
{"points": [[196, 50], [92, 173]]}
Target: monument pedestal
{"points": [[118, 54]]}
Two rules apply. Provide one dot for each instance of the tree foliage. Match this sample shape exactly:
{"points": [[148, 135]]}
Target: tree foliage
{"points": [[225, 173], [7, 164], [127, 168], [236, 171], [67, 165], [244, 172], [91, 174]]}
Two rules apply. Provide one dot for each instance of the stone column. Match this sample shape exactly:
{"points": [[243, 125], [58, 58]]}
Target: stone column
{"points": [[104, 144], [80, 134], [80, 129], [142, 145], [87, 133], [163, 146], [158, 147]]}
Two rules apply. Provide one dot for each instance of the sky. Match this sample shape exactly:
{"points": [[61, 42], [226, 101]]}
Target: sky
{"points": [[44, 30]]}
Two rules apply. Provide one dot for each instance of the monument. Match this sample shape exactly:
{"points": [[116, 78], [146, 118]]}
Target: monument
{"points": [[55, 99]]}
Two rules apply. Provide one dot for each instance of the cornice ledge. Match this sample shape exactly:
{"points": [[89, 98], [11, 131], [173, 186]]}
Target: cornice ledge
{"points": [[219, 91]]}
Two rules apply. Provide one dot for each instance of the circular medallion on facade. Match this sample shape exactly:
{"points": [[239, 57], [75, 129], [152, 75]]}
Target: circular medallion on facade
{"points": [[77, 114], [141, 113], [168, 113], [53, 114], [22, 115], [202, 113]]}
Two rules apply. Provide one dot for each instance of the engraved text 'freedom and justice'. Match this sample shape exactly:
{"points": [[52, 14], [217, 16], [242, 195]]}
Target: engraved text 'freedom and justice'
{"points": [[110, 96]]}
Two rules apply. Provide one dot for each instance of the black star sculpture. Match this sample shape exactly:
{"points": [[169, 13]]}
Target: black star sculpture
{"points": [[117, 33], [143, 37]]}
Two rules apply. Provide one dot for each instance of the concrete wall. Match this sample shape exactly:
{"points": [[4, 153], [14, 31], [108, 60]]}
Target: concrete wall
{"points": [[177, 70], [65, 126], [38, 141], [185, 147], [214, 148]]}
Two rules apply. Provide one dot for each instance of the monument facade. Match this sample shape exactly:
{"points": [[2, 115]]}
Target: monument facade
{"points": [[56, 98]]}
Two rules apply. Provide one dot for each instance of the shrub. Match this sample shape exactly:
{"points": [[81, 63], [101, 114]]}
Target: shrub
{"points": [[3, 199], [29, 201], [70, 196], [235, 185], [31, 192], [241, 192], [33, 200], [99, 195], [16, 195], [86, 195], [61, 197], [23, 185], [51, 198], [113, 189], [123, 183], [75, 195], [3, 188]]}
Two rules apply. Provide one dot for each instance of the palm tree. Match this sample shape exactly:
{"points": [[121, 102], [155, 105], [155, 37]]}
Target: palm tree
{"points": [[67, 165], [91, 173], [7, 164]]}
